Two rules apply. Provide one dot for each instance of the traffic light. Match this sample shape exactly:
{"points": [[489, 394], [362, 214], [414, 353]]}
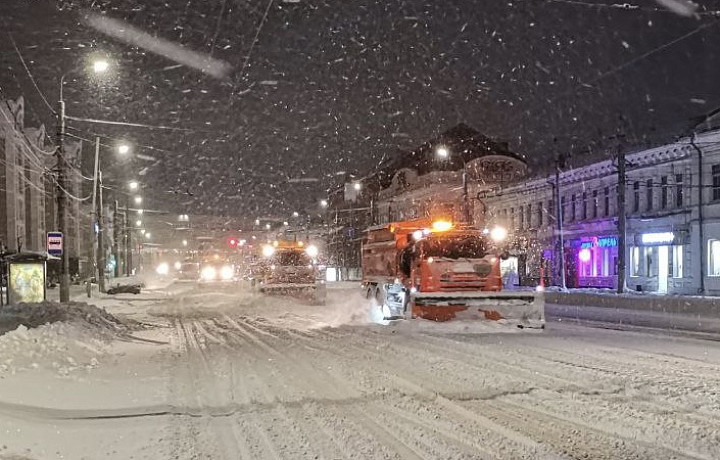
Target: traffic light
{"points": [[233, 242]]}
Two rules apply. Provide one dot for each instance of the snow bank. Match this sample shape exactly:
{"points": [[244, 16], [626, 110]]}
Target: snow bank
{"points": [[63, 338]]}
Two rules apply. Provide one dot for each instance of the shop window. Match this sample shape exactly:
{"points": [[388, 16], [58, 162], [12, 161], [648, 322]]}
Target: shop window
{"points": [[663, 192], [678, 190], [649, 193], [677, 261], [716, 182], [636, 196], [713, 257], [635, 261], [650, 260]]}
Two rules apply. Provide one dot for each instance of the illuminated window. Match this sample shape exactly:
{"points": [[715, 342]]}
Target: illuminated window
{"points": [[635, 261], [714, 258], [677, 261]]}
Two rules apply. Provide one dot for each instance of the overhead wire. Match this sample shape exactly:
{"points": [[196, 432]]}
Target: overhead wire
{"points": [[30, 75]]}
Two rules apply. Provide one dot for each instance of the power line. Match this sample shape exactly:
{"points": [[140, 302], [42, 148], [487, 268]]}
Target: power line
{"points": [[32, 79], [255, 39]]}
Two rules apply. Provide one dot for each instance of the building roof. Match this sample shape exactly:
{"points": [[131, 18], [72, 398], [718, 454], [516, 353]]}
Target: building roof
{"points": [[463, 143]]}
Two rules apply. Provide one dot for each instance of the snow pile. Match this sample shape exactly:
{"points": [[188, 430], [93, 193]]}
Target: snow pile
{"points": [[64, 348], [34, 315], [64, 338]]}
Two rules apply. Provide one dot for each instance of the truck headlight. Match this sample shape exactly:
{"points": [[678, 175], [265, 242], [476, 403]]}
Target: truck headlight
{"points": [[162, 269], [208, 273], [268, 250], [498, 234], [226, 272]]}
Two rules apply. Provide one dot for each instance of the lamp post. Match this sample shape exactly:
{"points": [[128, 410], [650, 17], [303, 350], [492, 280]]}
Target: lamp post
{"points": [[99, 66], [443, 153]]}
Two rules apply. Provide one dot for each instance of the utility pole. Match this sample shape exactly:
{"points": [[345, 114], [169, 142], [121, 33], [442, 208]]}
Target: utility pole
{"points": [[101, 242], [559, 162], [622, 219], [466, 206], [116, 237], [128, 242], [62, 202]]}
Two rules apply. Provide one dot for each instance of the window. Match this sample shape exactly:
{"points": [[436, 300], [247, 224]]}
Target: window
{"points": [[678, 190], [636, 196], [635, 261], [607, 201], [528, 218], [583, 205], [651, 256], [663, 192], [714, 258], [716, 182], [573, 216], [594, 204], [677, 261], [540, 214], [649, 193]]}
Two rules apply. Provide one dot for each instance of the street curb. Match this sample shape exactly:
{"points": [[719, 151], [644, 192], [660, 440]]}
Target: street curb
{"points": [[702, 306]]}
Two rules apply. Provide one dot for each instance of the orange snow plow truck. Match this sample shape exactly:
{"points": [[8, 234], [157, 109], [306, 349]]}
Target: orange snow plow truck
{"points": [[440, 271]]}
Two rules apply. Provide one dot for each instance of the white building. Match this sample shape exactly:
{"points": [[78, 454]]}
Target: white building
{"points": [[673, 220]]}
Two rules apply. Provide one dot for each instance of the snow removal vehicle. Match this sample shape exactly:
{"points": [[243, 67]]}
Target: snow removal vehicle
{"points": [[290, 268], [440, 271]]}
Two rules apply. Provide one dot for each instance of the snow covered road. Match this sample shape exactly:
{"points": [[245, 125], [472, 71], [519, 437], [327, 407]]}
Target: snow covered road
{"points": [[220, 373]]}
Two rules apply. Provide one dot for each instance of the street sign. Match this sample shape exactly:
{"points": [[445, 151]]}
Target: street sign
{"points": [[55, 243]]}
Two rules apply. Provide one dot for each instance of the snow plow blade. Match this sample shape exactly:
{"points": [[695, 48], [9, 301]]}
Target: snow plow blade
{"points": [[305, 291], [520, 309]]}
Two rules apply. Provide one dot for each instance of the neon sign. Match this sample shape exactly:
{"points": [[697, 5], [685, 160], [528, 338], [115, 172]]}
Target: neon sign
{"points": [[603, 242]]}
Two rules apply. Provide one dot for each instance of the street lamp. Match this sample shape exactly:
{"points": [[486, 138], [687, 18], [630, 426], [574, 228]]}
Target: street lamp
{"points": [[184, 242], [295, 214], [100, 65], [138, 199], [138, 223], [133, 184], [444, 153], [123, 149], [140, 211], [147, 235], [357, 186], [324, 203], [267, 226]]}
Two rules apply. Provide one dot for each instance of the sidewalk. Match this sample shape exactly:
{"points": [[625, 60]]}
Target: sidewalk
{"points": [[649, 302]]}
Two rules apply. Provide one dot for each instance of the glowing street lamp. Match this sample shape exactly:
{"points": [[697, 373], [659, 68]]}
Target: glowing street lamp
{"points": [[133, 184], [138, 223], [100, 65], [442, 152], [295, 214], [324, 203], [147, 235], [357, 186], [123, 149], [184, 242], [140, 211], [267, 226], [138, 199]]}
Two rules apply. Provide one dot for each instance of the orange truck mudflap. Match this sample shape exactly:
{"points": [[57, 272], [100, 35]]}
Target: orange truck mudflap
{"points": [[520, 309]]}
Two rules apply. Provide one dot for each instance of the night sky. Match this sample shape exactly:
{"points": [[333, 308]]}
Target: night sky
{"points": [[334, 86]]}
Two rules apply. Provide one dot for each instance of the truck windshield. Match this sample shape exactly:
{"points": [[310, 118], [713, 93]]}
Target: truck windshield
{"points": [[292, 258], [471, 247]]}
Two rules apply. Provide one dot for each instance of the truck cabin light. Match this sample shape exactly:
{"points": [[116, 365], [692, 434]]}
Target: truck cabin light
{"points": [[441, 226], [498, 234], [417, 235]]}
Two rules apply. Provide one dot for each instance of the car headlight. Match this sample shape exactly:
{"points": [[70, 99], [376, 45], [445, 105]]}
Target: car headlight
{"points": [[226, 272], [162, 269], [312, 251], [208, 273]]}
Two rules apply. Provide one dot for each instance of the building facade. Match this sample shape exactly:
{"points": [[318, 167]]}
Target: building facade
{"points": [[28, 202], [672, 204]]}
